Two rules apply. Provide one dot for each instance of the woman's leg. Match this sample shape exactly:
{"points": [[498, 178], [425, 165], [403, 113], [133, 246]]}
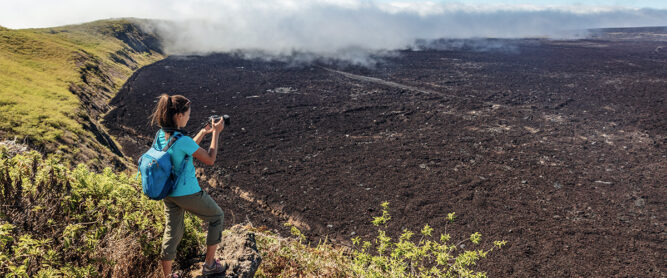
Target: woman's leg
{"points": [[166, 267], [173, 233], [210, 254], [203, 206]]}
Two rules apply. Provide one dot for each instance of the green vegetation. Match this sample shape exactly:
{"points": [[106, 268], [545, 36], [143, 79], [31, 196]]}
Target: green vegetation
{"points": [[54, 83], [47, 76], [76, 223], [384, 257], [58, 222]]}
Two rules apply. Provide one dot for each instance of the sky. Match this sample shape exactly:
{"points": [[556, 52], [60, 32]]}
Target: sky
{"points": [[655, 4], [337, 29], [18, 14]]}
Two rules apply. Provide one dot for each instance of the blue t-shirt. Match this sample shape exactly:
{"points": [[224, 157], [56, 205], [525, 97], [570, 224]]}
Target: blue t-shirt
{"points": [[183, 146]]}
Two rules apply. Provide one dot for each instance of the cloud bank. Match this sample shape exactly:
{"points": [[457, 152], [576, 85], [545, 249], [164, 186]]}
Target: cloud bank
{"points": [[336, 29], [346, 29]]}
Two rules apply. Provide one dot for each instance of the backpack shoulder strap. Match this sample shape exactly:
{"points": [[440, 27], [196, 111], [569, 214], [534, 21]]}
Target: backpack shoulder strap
{"points": [[171, 142], [180, 173], [155, 140]]}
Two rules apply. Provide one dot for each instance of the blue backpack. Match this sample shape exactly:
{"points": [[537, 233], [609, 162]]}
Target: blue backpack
{"points": [[158, 177]]}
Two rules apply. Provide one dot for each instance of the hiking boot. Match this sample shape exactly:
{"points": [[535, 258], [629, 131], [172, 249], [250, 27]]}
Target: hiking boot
{"points": [[216, 268]]}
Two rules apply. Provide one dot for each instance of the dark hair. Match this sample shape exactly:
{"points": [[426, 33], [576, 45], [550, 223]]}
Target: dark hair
{"points": [[167, 107]]}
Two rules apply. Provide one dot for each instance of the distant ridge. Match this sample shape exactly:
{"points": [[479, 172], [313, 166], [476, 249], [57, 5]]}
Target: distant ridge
{"points": [[650, 33], [656, 29]]}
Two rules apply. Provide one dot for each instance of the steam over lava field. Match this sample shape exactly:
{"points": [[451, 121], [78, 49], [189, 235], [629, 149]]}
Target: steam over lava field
{"points": [[557, 147]]}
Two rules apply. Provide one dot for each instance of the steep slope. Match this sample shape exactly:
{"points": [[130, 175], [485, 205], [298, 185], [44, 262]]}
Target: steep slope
{"points": [[55, 83]]}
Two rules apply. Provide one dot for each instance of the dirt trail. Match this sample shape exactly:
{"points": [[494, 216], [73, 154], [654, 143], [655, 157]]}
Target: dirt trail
{"points": [[382, 82], [402, 86]]}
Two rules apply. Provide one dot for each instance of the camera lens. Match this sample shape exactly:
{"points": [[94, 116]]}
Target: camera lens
{"points": [[227, 120]]}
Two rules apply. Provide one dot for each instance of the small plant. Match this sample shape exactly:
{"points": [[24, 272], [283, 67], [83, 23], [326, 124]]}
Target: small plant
{"points": [[425, 257]]}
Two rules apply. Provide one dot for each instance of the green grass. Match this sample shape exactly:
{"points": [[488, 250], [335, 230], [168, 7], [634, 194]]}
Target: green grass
{"points": [[35, 70], [39, 66]]}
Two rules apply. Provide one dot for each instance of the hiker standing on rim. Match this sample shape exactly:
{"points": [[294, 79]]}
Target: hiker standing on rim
{"points": [[171, 114]]}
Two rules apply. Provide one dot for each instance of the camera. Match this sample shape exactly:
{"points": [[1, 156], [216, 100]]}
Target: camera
{"points": [[216, 118]]}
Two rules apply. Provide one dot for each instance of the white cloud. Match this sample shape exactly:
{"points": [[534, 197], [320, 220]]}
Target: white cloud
{"points": [[328, 28]]}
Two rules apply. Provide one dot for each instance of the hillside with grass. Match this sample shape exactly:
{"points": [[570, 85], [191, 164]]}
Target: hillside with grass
{"points": [[55, 83]]}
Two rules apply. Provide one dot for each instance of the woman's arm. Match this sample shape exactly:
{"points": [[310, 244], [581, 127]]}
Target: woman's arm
{"points": [[206, 130], [208, 158], [199, 136]]}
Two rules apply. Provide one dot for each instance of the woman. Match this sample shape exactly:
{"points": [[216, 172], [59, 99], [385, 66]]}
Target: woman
{"points": [[171, 114]]}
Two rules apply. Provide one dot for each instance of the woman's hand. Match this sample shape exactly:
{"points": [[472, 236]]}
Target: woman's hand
{"points": [[218, 126], [208, 128]]}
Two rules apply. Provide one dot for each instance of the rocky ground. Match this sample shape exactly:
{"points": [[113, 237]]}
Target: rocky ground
{"points": [[558, 147]]}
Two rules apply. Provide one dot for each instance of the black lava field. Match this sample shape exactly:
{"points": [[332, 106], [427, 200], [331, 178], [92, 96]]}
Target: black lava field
{"points": [[558, 147]]}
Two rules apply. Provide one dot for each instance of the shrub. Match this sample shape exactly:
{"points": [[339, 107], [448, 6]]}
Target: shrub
{"points": [[76, 223], [426, 257]]}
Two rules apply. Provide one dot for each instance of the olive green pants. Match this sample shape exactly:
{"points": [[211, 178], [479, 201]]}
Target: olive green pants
{"points": [[199, 204]]}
